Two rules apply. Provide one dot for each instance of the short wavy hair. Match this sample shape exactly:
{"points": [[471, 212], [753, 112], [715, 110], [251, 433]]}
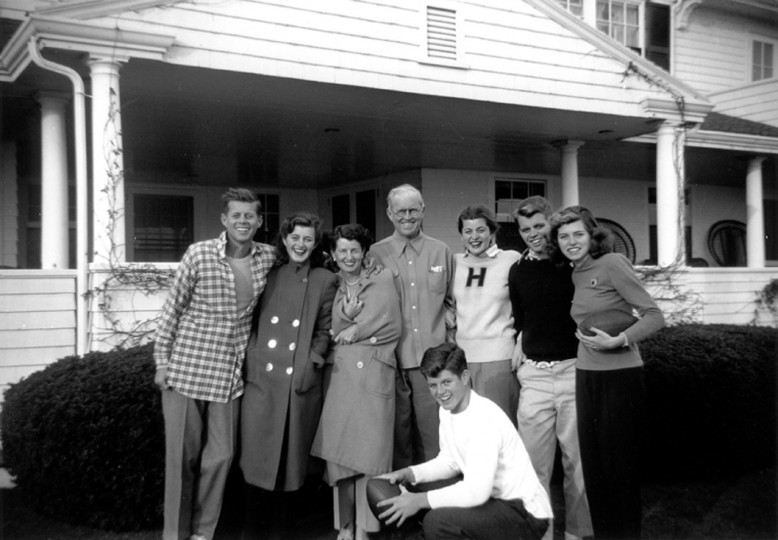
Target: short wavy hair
{"points": [[601, 238], [350, 231], [239, 195], [478, 211], [299, 219], [445, 356]]}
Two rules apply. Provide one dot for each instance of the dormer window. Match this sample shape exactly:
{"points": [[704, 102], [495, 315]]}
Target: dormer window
{"points": [[762, 60], [620, 19]]}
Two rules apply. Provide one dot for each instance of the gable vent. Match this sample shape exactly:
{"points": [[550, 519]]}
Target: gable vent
{"points": [[441, 33]]}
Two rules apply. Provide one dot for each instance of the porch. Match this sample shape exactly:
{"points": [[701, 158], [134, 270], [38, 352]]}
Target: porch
{"points": [[38, 313]]}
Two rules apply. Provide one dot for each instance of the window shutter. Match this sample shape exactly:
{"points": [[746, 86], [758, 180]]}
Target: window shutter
{"points": [[441, 33]]}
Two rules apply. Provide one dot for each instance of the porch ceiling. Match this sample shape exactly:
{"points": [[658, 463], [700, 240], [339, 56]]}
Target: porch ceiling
{"points": [[296, 133]]}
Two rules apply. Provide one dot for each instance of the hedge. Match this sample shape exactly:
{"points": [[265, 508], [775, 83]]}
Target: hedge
{"points": [[84, 440], [711, 401], [84, 437]]}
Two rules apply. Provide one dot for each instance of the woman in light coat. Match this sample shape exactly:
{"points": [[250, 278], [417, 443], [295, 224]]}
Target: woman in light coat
{"points": [[356, 429]]}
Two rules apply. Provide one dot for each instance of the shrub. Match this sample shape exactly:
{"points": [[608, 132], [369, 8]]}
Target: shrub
{"points": [[711, 404], [85, 439]]}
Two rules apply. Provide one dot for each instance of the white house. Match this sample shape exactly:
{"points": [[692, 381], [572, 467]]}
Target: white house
{"points": [[124, 120]]}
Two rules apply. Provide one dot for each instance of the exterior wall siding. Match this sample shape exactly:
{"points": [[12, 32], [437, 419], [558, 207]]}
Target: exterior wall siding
{"points": [[714, 52], [512, 53], [36, 307], [757, 102]]}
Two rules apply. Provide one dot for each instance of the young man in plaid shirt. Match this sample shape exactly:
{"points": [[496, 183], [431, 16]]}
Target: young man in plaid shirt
{"points": [[199, 349]]}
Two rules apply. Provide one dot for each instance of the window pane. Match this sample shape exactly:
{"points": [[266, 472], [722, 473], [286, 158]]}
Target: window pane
{"points": [[617, 13], [502, 190], [632, 15]]}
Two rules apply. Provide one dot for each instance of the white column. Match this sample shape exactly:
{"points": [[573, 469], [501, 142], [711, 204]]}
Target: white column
{"points": [[669, 195], [755, 251], [54, 182], [569, 151], [107, 162]]}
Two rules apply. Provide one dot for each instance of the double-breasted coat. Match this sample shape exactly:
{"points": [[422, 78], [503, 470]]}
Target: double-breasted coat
{"points": [[356, 429], [284, 369]]}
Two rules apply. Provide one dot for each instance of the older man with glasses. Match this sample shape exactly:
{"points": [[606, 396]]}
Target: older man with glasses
{"points": [[423, 269]]}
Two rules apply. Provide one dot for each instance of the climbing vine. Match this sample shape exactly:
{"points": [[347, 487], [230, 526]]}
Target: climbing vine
{"points": [[679, 304], [120, 281]]}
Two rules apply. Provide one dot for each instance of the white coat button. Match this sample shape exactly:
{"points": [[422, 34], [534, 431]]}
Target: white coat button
{"points": [[413, 284], [272, 343], [373, 339], [269, 367], [305, 280], [289, 370], [360, 365], [273, 320], [296, 323], [292, 346]]}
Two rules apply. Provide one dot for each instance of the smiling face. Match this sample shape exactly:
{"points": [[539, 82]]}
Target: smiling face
{"points": [[574, 240], [406, 212], [348, 254], [534, 231], [241, 221], [476, 236], [452, 392], [300, 243]]}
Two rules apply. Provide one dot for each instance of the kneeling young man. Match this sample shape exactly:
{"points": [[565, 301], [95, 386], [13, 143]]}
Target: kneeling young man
{"points": [[499, 495]]}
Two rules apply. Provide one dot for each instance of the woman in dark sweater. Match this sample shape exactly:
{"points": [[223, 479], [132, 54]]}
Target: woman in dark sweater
{"points": [[610, 393]]}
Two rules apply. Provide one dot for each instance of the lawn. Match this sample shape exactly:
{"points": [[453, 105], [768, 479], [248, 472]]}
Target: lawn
{"points": [[741, 508]]}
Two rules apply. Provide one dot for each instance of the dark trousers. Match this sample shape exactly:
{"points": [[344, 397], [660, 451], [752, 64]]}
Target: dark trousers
{"points": [[610, 408], [495, 519], [415, 420]]}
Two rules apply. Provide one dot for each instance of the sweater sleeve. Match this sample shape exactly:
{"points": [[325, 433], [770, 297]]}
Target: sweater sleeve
{"points": [[479, 468], [627, 284], [517, 306]]}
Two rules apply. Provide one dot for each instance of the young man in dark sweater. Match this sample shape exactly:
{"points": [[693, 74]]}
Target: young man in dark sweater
{"points": [[541, 291]]}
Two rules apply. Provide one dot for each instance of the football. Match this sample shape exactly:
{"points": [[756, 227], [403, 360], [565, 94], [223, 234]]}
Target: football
{"points": [[611, 321], [380, 489]]}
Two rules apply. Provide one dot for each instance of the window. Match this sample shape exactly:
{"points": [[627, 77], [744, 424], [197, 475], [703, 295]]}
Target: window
{"points": [[658, 35], [620, 19], [509, 192], [573, 6], [271, 218], [762, 61], [164, 227]]}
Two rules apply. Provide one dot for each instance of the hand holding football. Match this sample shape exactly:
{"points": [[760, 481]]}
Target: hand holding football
{"points": [[611, 321]]}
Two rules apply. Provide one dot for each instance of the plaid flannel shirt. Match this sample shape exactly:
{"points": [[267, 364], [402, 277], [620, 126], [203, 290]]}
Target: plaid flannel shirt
{"points": [[201, 338]]}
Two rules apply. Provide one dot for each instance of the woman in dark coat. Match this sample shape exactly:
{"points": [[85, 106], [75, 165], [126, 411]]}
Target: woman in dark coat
{"points": [[284, 361], [355, 434]]}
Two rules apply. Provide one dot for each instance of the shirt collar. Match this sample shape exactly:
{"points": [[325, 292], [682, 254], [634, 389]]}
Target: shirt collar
{"points": [[221, 245], [400, 242], [491, 252]]}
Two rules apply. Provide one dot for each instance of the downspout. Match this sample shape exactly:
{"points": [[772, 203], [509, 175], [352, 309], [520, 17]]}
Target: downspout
{"points": [[82, 218]]}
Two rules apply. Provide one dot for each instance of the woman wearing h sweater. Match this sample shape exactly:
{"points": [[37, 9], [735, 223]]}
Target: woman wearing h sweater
{"points": [[483, 309], [610, 394]]}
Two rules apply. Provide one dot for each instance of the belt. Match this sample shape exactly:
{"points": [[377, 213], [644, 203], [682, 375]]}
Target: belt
{"points": [[541, 364]]}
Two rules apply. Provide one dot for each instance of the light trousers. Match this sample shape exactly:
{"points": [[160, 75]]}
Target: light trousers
{"points": [[547, 414], [200, 438]]}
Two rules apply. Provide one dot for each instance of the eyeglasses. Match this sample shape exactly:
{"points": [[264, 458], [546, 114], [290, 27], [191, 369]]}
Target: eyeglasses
{"points": [[408, 212]]}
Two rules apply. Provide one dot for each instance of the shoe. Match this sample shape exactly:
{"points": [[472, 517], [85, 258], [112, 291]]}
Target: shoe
{"points": [[361, 534], [197, 537], [346, 533]]}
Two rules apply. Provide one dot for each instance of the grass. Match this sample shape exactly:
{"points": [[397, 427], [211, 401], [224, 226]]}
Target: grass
{"points": [[741, 508]]}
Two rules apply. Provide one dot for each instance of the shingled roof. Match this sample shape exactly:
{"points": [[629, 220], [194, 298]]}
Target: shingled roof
{"points": [[730, 124]]}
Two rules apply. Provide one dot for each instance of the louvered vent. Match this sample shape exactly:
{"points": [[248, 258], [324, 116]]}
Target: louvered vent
{"points": [[441, 33]]}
